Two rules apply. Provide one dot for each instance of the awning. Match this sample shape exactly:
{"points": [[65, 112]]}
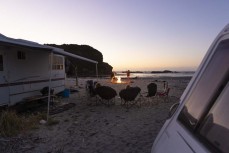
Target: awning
{"points": [[62, 52]]}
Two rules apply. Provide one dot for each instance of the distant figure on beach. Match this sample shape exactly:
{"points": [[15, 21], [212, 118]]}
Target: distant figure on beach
{"points": [[128, 75]]}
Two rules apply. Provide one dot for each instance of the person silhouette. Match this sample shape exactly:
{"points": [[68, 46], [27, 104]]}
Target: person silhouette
{"points": [[128, 75]]}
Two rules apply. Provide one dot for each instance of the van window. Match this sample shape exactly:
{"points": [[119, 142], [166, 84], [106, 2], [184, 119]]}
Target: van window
{"points": [[207, 89], [1, 63], [215, 128]]}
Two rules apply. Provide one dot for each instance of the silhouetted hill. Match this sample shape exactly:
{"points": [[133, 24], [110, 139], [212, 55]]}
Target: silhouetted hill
{"points": [[84, 68]]}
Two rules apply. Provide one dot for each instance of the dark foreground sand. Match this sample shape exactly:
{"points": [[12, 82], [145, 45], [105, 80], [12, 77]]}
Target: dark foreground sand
{"points": [[90, 128]]}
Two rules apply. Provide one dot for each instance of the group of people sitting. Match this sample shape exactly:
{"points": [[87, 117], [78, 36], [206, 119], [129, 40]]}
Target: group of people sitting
{"points": [[128, 94]]}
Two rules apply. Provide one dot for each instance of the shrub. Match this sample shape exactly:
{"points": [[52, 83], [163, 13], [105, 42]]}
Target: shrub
{"points": [[52, 121], [31, 121], [10, 123]]}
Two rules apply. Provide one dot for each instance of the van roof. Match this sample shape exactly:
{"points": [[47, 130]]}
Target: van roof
{"points": [[226, 29]]}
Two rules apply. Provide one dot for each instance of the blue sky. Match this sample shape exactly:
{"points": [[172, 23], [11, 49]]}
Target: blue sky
{"points": [[131, 34]]}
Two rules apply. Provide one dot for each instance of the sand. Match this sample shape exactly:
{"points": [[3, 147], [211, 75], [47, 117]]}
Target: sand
{"points": [[91, 128]]}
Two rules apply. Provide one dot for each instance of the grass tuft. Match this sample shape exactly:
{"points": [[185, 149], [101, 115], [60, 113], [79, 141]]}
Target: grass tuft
{"points": [[11, 124], [52, 121]]}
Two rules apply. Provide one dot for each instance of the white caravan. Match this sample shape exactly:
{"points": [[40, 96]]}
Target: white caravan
{"points": [[25, 69], [200, 122]]}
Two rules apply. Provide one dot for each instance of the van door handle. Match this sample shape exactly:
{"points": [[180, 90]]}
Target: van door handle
{"points": [[173, 109]]}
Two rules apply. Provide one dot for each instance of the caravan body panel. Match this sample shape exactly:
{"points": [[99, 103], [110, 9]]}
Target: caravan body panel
{"points": [[26, 67], [26, 72], [4, 88]]}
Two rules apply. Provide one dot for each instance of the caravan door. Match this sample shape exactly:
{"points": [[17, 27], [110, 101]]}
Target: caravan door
{"points": [[4, 85]]}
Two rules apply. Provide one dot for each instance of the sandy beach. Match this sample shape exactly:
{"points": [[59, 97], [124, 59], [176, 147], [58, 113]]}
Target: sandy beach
{"points": [[91, 128]]}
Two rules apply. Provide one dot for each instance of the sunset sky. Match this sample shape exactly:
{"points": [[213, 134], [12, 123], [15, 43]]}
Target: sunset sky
{"points": [[131, 34]]}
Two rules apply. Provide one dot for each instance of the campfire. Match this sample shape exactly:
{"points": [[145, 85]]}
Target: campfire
{"points": [[117, 80]]}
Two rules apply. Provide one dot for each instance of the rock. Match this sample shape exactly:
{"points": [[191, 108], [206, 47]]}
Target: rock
{"points": [[76, 122], [43, 122]]}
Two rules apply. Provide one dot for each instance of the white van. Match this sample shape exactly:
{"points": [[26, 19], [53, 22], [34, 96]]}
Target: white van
{"points": [[200, 122]]}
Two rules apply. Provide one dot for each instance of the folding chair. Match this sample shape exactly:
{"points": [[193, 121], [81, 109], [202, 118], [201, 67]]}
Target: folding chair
{"points": [[129, 95], [107, 94], [164, 94]]}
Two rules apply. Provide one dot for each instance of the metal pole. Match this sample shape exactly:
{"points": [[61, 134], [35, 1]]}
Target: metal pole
{"points": [[50, 81], [96, 67]]}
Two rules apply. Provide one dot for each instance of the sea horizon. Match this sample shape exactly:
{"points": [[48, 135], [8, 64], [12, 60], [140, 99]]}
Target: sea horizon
{"points": [[157, 74]]}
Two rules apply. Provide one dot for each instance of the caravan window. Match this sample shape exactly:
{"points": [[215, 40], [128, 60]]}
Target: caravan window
{"points": [[21, 55], [58, 62], [1, 63]]}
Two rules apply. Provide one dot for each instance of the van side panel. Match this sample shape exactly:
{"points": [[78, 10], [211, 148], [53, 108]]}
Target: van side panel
{"points": [[175, 136], [175, 139]]}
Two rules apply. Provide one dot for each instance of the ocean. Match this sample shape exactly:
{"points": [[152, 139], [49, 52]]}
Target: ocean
{"points": [[156, 75]]}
